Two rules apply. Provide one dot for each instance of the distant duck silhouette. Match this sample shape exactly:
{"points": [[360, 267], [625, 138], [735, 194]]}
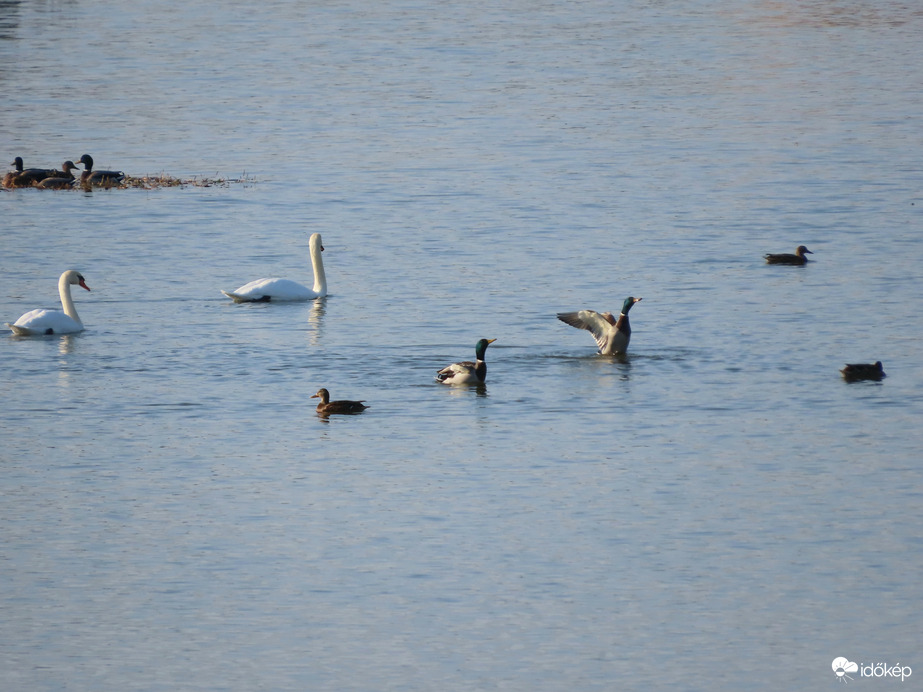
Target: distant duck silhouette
{"points": [[854, 372], [46, 321], [784, 258], [467, 372], [25, 177], [327, 407], [612, 335], [91, 177], [59, 179], [285, 290]]}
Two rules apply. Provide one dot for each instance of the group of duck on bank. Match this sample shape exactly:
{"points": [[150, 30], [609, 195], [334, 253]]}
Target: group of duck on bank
{"points": [[612, 334], [52, 179], [64, 179]]}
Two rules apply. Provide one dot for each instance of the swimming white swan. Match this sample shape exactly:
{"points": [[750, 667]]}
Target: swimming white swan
{"points": [[276, 290], [47, 321]]}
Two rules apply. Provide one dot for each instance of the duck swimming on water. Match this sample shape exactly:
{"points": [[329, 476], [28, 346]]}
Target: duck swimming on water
{"points": [[785, 258], [854, 372], [612, 335], [467, 372], [326, 407]]}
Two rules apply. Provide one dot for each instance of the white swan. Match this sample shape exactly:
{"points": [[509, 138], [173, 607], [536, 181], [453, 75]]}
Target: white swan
{"points": [[276, 290], [47, 321]]}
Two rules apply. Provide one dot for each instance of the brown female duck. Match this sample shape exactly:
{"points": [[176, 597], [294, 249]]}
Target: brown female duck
{"points": [[59, 179], [326, 407], [785, 258]]}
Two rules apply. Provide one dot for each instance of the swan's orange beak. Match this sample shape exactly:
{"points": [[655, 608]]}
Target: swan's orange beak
{"points": [[84, 284]]}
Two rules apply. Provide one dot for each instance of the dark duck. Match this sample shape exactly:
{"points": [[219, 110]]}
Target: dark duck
{"points": [[856, 372], [786, 258], [59, 180], [25, 177], [91, 177], [327, 407]]}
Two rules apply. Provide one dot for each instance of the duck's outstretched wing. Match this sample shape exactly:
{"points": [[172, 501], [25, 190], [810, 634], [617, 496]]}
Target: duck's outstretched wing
{"points": [[599, 325]]}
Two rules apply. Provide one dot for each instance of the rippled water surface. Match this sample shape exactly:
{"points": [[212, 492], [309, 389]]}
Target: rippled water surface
{"points": [[717, 511]]}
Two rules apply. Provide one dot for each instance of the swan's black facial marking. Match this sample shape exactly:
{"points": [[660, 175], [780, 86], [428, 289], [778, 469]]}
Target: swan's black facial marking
{"points": [[263, 299], [49, 331]]}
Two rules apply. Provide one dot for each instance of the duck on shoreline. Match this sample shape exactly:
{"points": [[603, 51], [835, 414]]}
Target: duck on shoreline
{"points": [[104, 178], [59, 179], [25, 177]]}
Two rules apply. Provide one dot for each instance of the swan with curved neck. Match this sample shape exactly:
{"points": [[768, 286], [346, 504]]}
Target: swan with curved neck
{"points": [[281, 290], [45, 321]]}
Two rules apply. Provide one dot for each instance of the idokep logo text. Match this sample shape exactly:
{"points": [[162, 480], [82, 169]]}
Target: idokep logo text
{"points": [[842, 667]]}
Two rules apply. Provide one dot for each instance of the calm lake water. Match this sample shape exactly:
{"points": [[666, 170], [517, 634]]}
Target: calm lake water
{"points": [[717, 511]]}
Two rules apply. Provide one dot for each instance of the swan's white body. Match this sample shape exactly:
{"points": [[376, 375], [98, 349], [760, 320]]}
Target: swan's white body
{"points": [[44, 321], [278, 290]]}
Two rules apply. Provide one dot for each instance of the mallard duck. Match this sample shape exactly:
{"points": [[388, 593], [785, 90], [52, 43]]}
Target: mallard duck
{"points": [[853, 372], [25, 177], [467, 372], [91, 177], [59, 179], [784, 258], [326, 407], [45, 321], [279, 290], [612, 335]]}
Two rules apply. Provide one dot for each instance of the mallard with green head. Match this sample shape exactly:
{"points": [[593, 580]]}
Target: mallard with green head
{"points": [[785, 258], [612, 335], [326, 407], [25, 177], [103, 178], [467, 372], [854, 372]]}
